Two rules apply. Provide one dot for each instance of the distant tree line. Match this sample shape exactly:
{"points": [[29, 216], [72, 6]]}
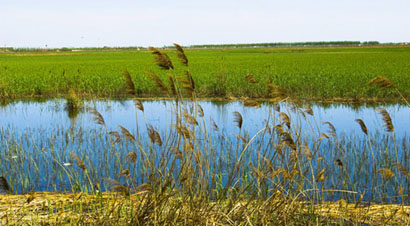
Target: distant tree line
{"points": [[239, 45]]}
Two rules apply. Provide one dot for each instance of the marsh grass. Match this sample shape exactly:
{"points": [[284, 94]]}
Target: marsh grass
{"points": [[193, 173]]}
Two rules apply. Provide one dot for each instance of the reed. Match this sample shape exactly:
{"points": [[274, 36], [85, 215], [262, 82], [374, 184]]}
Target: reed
{"points": [[195, 173]]}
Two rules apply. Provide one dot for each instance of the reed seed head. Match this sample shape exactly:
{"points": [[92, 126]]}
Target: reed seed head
{"points": [[251, 103], [238, 119], [250, 78], [154, 136], [332, 129], [382, 82], [386, 173], [97, 116], [388, 124], [78, 160], [127, 134], [161, 59], [139, 105], [130, 86], [362, 126], [158, 81], [285, 119], [132, 157], [181, 54]]}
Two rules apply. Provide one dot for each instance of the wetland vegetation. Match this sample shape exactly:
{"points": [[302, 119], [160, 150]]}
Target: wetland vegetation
{"points": [[306, 73], [288, 168]]}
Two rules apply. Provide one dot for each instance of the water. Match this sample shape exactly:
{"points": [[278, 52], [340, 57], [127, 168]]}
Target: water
{"points": [[50, 114], [38, 137]]}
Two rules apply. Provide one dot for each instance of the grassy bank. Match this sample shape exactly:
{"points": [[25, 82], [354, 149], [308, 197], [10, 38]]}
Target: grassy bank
{"points": [[114, 208], [305, 73]]}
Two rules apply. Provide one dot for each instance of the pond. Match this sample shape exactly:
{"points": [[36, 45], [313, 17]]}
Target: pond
{"points": [[47, 147]]}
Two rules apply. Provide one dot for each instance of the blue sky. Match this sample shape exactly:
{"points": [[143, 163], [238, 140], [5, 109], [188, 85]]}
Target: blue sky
{"points": [[92, 23]]}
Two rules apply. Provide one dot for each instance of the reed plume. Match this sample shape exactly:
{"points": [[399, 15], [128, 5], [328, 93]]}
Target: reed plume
{"points": [[332, 129], [276, 106], [158, 81], [132, 157], [125, 173], [154, 136], [190, 119], [388, 124], [200, 110], [276, 91], [214, 125], [181, 54], [116, 186], [172, 85], [251, 103], [188, 83], [402, 169], [139, 105], [250, 78], [127, 134], [161, 59], [309, 110], [116, 135], [78, 160], [382, 82], [386, 173], [238, 119], [285, 119], [97, 117], [130, 86], [287, 139], [321, 175], [362, 125], [183, 130]]}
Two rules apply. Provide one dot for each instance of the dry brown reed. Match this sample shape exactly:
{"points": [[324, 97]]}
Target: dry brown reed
{"points": [[127, 134], [132, 157], [188, 82], [139, 105], [388, 124], [158, 81], [154, 136], [190, 119], [181, 54], [402, 169], [251, 79], [78, 160], [309, 110], [97, 116], [251, 103], [276, 91], [130, 86], [386, 173], [332, 129], [172, 85], [285, 119], [238, 119], [161, 59], [382, 82], [362, 126], [116, 136]]}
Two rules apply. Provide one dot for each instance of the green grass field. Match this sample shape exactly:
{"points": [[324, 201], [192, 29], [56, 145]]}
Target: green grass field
{"points": [[306, 73]]}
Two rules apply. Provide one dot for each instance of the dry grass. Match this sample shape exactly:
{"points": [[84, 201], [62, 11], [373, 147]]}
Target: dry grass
{"points": [[108, 208]]}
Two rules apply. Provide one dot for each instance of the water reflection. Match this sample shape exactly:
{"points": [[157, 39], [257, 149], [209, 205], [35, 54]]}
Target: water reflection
{"points": [[29, 128]]}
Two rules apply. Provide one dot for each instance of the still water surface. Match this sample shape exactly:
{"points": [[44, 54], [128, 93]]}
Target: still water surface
{"points": [[26, 128]]}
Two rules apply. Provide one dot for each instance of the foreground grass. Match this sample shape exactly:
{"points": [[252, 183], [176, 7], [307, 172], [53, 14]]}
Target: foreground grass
{"points": [[306, 73], [116, 208]]}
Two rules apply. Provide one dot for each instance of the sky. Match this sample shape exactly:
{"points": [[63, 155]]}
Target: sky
{"points": [[115, 23]]}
